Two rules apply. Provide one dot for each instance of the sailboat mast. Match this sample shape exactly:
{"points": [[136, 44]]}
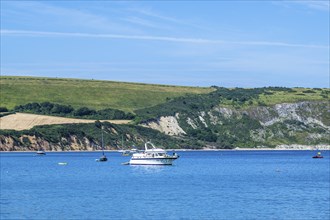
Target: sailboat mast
{"points": [[102, 143], [122, 141]]}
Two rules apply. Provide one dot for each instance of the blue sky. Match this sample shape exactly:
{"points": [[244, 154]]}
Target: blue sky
{"points": [[194, 43]]}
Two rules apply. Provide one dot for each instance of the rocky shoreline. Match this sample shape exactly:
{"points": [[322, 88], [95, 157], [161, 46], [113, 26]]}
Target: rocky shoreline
{"points": [[278, 148], [303, 147]]}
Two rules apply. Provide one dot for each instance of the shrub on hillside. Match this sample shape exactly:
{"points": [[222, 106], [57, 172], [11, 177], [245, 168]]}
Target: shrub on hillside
{"points": [[3, 109]]}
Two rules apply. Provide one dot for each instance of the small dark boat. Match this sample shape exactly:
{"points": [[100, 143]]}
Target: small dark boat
{"points": [[41, 152], [103, 158], [318, 155]]}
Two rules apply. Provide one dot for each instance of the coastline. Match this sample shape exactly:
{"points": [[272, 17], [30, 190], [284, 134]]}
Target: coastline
{"points": [[278, 148]]}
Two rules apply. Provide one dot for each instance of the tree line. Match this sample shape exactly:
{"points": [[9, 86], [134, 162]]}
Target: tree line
{"points": [[48, 108]]}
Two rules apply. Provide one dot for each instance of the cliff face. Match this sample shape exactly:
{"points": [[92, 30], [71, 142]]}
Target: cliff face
{"points": [[282, 125], [307, 113], [166, 124], [302, 123], [86, 137], [33, 143]]}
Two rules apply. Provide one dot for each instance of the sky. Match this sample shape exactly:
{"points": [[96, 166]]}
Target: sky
{"points": [[190, 43]]}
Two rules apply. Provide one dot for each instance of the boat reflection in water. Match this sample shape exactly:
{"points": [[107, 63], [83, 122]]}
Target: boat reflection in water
{"points": [[152, 156], [149, 169]]}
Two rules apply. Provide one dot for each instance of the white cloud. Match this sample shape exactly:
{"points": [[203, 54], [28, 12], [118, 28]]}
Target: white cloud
{"points": [[141, 22], [26, 33], [323, 5], [64, 18]]}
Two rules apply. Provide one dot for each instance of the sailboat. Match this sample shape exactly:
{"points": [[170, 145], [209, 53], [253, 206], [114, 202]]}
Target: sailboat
{"points": [[103, 158]]}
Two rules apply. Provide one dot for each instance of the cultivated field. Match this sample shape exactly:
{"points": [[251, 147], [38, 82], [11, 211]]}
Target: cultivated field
{"points": [[23, 121]]}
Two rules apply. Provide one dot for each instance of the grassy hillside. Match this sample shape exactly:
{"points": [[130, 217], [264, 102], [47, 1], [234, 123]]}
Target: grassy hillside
{"points": [[228, 118], [213, 117], [237, 98], [88, 93], [294, 95]]}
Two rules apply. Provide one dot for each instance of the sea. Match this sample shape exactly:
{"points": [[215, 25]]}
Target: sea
{"points": [[200, 185]]}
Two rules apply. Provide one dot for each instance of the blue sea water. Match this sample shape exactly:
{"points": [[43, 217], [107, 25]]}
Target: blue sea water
{"points": [[201, 185]]}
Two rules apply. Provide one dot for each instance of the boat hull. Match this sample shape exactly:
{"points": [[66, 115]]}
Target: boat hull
{"points": [[41, 153], [152, 161], [152, 156]]}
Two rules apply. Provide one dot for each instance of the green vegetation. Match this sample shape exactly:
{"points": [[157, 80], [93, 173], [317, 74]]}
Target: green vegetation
{"points": [[235, 131], [294, 95], [218, 117], [88, 93], [3, 109], [237, 98], [47, 108], [116, 137]]}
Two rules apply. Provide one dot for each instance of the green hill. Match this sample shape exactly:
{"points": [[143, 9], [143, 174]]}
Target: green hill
{"points": [[172, 116], [237, 98], [93, 94], [228, 118]]}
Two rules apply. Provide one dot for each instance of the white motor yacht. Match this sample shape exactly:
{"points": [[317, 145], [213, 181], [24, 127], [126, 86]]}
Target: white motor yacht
{"points": [[152, 156]]}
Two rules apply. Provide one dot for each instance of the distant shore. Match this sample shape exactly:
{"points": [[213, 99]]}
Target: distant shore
{"points": [[278, 148]]}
